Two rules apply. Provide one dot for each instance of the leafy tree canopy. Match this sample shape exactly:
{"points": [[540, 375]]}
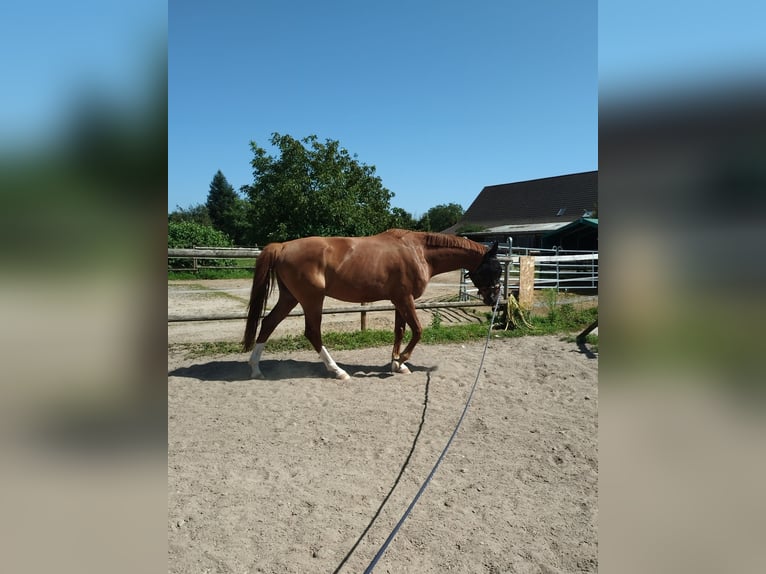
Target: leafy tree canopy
{"points": [[313, 188], [186, 234], [195, 214], [402, 219], [440, 217]]}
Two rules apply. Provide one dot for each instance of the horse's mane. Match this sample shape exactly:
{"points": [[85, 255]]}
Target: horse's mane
{"points": [[438, 239], [444, 240]]}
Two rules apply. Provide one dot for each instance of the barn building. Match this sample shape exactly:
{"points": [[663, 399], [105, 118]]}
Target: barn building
{"points": [[540, 213]]}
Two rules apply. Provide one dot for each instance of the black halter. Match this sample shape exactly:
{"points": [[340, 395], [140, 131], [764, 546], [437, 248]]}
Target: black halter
{"points": [[486, 276]]}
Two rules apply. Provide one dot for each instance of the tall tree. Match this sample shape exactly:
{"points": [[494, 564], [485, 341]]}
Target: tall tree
{"points": [[226, 208], [440, 217], [313, 188]]}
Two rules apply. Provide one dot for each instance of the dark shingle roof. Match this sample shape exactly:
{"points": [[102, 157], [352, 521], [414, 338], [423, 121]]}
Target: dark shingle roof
{"points": [[562, 199]]}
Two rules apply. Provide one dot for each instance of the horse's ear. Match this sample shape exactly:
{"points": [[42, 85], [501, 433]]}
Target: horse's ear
{"points": [[492, 251]]}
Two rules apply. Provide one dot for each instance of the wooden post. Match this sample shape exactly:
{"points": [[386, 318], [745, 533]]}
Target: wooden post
{"points": [[505, 278], [581, 337], [526, 282], [364, 318]]}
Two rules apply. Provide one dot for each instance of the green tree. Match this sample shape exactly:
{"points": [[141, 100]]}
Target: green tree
{"points": [[195, 214], [402, 219], [440, 217], [226, 208], [313, 188], [424, 223]]}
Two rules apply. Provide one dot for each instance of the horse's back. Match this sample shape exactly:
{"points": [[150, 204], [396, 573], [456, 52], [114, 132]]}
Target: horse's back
{"points": [[354, 269], [307, 252], [307, 259]]}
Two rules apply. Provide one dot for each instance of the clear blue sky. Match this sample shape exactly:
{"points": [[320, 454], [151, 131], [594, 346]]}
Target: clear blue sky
{"points": [[55, 54], [442, 97], [659, 47]]}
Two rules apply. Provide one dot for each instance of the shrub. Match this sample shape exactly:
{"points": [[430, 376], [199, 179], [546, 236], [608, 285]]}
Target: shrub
{"points": [[187, 234]]}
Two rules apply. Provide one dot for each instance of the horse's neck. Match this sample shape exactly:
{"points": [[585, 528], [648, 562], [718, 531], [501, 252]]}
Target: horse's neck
{"points": [[445, 259]]}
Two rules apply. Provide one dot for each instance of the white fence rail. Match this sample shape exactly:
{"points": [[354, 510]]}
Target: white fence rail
{"points": [[554, 269]]}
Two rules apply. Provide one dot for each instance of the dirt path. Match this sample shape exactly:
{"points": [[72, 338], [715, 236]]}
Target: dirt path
{"points": [[285, 474]]}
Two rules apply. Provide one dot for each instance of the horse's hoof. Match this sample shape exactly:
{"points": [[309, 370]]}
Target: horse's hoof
{"points": [[342, 375], [398, 367], [255, 372]]}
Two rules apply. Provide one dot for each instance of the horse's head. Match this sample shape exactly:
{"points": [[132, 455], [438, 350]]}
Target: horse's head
{"points": [[486, 277]]}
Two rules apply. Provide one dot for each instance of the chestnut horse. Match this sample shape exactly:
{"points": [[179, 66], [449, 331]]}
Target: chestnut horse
{"points": [[394, 265]]}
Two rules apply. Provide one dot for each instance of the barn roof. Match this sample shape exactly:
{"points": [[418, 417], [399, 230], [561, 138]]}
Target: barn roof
{"points": [[560, 199], [581, 222]]}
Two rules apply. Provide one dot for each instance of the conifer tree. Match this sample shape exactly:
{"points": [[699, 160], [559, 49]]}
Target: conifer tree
{"points": [[226, 208]]}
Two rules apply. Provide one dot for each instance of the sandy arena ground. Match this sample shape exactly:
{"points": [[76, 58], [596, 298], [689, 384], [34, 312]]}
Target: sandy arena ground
{"points": [[292, 473]]}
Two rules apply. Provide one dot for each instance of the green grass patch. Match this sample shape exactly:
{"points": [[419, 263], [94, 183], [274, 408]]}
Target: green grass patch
{"points": [[228, 273], [235, 269], [564, 320], [591, 341]]}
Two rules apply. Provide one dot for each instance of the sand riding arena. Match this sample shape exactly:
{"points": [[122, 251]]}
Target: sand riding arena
{"points": [[303, 473]]}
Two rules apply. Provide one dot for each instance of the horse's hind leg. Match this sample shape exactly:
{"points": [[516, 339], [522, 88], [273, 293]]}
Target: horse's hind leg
{"points": [[285, 304], [313, 316]]}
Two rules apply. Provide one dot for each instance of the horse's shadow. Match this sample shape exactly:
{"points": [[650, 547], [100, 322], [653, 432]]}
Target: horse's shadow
{"points": [[583, 349], [274, 370]]}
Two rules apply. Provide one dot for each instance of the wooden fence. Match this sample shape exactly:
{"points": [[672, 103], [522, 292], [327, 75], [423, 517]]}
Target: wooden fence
{"points": [[522, 273], [362, 309], [197, 254]]}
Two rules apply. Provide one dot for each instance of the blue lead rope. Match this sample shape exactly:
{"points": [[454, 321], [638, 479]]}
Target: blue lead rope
{"points": [[441, 456]]}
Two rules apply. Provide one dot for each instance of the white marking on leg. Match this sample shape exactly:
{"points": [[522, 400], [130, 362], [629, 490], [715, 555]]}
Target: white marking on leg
{"points": [[332, 365], [255, 359], [399, 367]]}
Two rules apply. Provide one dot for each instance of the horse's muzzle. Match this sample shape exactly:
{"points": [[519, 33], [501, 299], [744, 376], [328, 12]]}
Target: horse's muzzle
{"points": [[490, 295]]}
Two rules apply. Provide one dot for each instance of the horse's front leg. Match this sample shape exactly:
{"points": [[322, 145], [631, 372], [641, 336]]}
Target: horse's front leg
{"points": [[407, 311], [398, 366]]}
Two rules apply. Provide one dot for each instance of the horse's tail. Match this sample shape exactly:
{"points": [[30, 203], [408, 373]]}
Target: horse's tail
{"points": [[259, 295]]}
